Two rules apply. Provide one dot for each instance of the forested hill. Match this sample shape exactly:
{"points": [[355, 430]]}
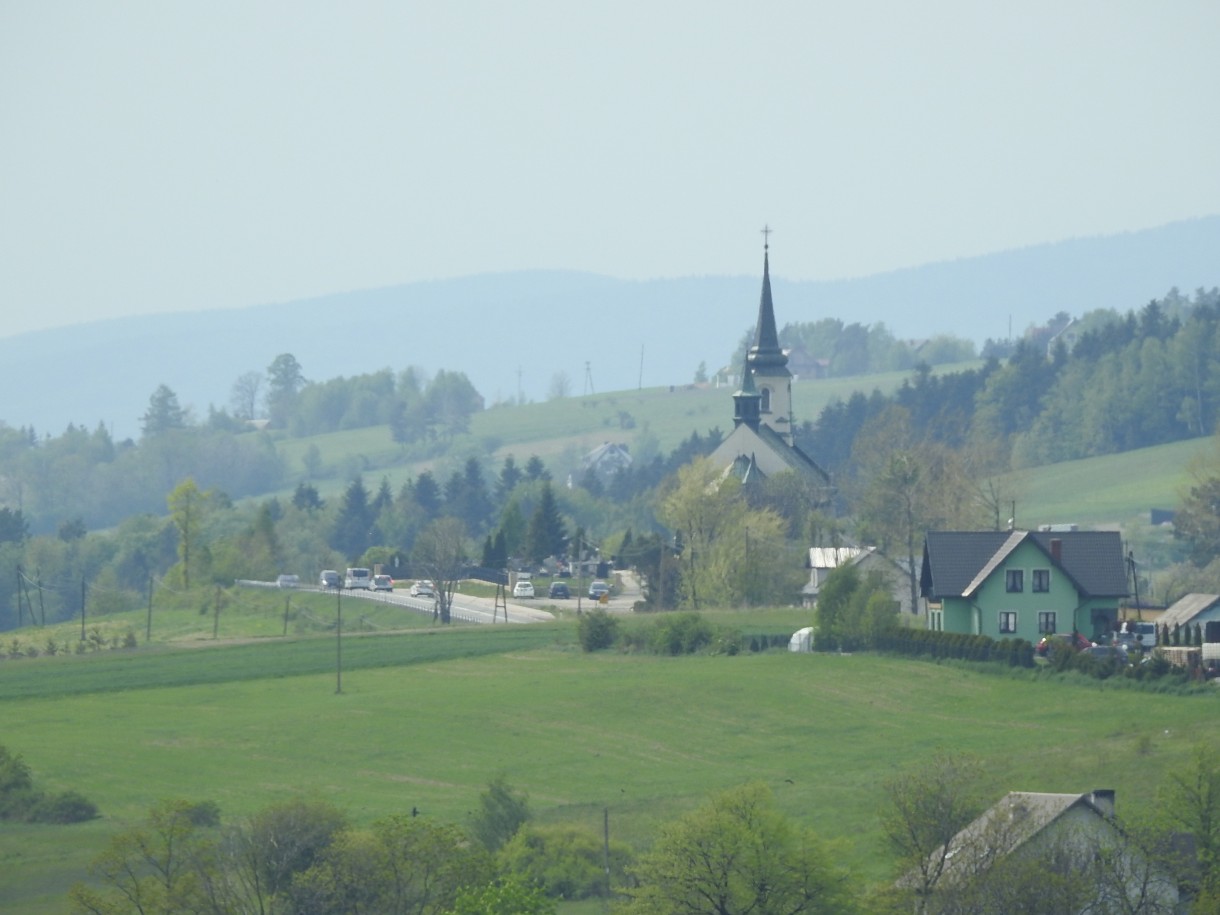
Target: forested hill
{"points": [[512, 334]]}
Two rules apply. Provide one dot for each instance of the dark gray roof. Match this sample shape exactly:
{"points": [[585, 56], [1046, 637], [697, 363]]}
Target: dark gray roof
{"points": [[1093, 560]]}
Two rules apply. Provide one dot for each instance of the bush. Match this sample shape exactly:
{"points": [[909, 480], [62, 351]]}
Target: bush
{"points": [[21, 801], [681, 633], [68, 807], [567, 861], [597, 630]]}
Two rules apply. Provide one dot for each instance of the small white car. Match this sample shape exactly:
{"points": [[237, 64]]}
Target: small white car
{"points": [[383, 583], [523, 589], [423, 588]]}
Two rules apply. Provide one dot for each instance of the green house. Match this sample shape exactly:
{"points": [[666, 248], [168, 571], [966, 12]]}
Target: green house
{"points": [[1023, 584]]}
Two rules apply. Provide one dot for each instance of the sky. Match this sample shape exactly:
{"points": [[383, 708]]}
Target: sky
{"points": [[189, 156]]}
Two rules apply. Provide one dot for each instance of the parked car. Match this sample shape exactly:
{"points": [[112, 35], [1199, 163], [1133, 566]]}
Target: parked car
{"points": [[288, 581], [523, 589], [423, 588], [330, 579], [559, 591], [598, 589], [1073, 640], [383, 583], [1135, 634], [1109, 654]]}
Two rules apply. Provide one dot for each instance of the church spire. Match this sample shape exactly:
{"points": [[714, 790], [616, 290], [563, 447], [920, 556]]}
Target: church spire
{"points": [[765, 354]]}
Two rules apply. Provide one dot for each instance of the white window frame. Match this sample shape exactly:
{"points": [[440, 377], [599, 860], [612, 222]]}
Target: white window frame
{"points": [[1005, 617]]}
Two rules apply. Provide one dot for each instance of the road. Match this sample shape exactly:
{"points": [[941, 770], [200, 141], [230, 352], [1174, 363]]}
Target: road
{"points": [[470, 609]]}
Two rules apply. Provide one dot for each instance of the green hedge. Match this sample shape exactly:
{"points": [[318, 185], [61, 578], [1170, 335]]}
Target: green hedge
{"points": [[929, 643]]}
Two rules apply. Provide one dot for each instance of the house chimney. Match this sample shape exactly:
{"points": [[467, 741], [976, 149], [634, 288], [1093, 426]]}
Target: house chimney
{"points": [[1103, 800], [1057, 549]]}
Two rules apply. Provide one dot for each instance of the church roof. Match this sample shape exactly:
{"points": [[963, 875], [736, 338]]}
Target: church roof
{"points": [[765, 452]]}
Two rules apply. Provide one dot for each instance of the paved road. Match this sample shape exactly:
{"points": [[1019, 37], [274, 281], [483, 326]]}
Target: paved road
{"points": [[483, 609], [465, 608]]}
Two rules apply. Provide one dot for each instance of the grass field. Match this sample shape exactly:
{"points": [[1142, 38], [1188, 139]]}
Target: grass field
{"points": [[426, 719], [1110, 490]]}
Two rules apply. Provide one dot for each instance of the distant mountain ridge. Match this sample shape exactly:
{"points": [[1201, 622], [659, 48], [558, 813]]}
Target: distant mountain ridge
{"points": [[512, 333]]}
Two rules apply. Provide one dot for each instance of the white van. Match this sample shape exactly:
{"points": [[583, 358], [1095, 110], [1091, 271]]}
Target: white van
{"points": [[358, 578]]}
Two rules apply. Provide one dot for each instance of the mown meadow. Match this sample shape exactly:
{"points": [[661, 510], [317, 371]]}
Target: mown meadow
{"points": [[426, 718]]}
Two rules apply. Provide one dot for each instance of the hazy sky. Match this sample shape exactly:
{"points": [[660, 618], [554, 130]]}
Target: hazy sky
{"points": [[171, 155]]}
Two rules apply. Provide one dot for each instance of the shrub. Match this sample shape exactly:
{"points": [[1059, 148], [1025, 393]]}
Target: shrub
{"points": [[567, 861], [681, 633], [68, 807], [597, 630]]}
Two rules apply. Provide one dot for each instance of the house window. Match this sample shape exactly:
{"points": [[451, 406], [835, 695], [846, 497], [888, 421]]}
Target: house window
{"points": [[1014, 581], [1042, 581], [1008, 621], [1046, 618]]}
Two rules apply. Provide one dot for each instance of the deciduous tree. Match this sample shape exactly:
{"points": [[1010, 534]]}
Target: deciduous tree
{"points": [[739, 855], [441, 553]]}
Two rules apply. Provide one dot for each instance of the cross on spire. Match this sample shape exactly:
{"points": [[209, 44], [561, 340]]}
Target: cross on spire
{"points": [[766, 234]]}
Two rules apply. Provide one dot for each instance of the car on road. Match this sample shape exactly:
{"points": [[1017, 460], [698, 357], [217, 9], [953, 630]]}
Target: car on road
{"points": [[598, 590], [288, 581], [357, 578], [423, 588], [330, 579], [559, 591], [383, 583], [523, 589]]}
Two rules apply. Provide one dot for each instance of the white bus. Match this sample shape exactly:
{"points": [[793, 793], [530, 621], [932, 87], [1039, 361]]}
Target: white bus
{"points": [[358, 578]]}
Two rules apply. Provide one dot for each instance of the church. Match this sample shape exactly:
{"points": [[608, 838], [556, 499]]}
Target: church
{"points": [[761, 443]]}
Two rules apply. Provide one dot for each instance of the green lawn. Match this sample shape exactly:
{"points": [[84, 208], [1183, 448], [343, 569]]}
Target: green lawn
{"points": [[1109, 490], [427, 719]]}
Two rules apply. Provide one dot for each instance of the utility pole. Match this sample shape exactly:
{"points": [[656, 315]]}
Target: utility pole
{"points": [[148, 625], [338, 641]]}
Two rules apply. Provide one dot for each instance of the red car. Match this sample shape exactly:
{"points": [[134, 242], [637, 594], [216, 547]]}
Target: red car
{"points": [[1075, 641]]}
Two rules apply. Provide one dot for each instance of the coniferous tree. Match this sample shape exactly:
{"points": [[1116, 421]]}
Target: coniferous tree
{"points": [[164, 413], [428, 495], [353, 530], [546, 534]]}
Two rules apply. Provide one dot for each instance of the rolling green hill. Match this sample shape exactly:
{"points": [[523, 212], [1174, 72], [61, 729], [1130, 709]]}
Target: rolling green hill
{"points": [[432, 717], [1111, 491], [560, 431]]}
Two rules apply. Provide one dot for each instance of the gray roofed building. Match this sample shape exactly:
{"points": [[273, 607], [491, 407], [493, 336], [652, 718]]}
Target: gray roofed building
{"points": [[1023, 584], [1191, 609], [1075, 835]]}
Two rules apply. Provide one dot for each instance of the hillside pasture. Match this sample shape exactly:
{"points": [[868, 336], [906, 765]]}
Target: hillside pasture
{"points": [[433, 716], [563, 429]]}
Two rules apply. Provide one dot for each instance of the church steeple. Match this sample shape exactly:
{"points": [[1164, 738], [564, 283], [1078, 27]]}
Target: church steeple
{"points": [[767, 362], [766, 351], [747, 402]]}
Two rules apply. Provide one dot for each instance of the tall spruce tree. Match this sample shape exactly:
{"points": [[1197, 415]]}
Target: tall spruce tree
{"points": [[546, 532]]}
